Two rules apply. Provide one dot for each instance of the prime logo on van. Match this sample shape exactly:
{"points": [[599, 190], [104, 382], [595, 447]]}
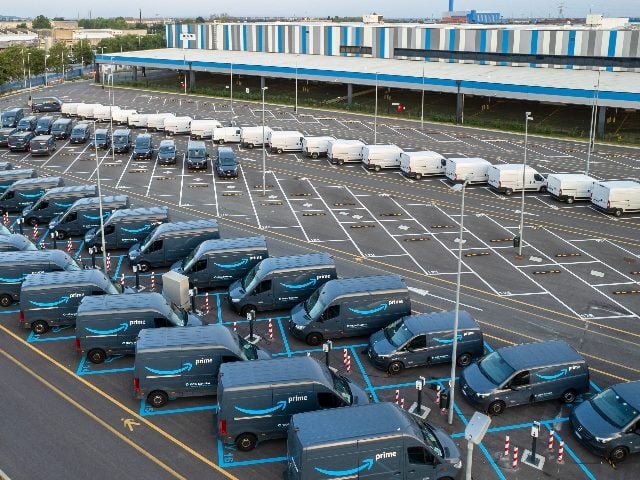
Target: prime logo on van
{"points": [[13, 280], [242, 262], [561, 373], [281, 405], [121, 328], [62, 301], [137, 230]]}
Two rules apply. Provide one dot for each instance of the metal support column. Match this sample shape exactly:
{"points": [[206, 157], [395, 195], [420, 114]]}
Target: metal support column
{"points": [[349, 94], [459, 103], [602, 120]]}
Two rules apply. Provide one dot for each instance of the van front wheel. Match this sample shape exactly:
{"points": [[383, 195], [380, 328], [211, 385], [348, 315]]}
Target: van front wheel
{"points": [[39, 327], [569, 200], [618, 212], [97, 355], [395, 368], [314, 339], [246, 309], [508, 192], [246, 442], [496, 408], [464, 360], [157, 399], [569, 397], [5, 300], [618, 455], [418, 176]]}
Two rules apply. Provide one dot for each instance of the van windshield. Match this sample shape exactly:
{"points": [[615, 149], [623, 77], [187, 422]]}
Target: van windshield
{"points": [[249, 281], [430, 438], [147, 241], [113, 289], [72, 266], [495, 368], [397, 333], [196, 153], [8, 119], [167, 149], [314, 306], [187, 263], [120, 139], [614, 408], [178, 316], [101, 136], [227, 161], [249, 350], [341, 387]]}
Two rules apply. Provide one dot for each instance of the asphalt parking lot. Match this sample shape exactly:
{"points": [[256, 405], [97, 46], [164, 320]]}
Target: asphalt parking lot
{"points": [[577, 280]]}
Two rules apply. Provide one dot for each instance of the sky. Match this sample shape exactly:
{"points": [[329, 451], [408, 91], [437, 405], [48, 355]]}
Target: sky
{"points": [[73, 9]]}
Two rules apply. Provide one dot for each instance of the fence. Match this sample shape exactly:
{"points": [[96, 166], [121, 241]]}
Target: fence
{"points": [[52, 78]]}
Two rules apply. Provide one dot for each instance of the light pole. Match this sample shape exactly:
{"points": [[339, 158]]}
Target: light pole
{"points": [[231, 84], [62, 64], [452, 383], [264, 151], [113, 152], [104, 250], [24, 70], [45, 69], [112, 75], [375, 115], [422, 103], [29, 67], [295, 109], [527, 117], [592, 128]]}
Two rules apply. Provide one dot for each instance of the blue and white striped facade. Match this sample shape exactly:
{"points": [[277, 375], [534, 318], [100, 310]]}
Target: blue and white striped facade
{"points": [[383, 39]]}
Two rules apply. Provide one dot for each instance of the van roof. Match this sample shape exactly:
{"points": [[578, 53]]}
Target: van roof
{"points": [[511, 166], [57, 256], [17, 172], [620, 184], [423, 153], [143, 136], [56, 279], [225, 244], [461, 160], [121, 131], [439, 321], [258, 373], [132, 301], [185, 226], [390, 146], [36, 181], [24, 133], [96, 200], [570, 176], [296, 261], [15, 239], [63, 121], [535, 354], [12, 110], [72, 189], [135, 212], [166, 338], [352, 423], [42, 138], [196, 144], [374, 284], [630, 391], [167, 143]]}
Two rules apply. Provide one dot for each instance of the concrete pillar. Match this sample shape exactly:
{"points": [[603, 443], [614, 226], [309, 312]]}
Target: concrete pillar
{"points": [[459, 103], [349, 94], [135, 74], [263, 82], [602, 118], [192, 79]]}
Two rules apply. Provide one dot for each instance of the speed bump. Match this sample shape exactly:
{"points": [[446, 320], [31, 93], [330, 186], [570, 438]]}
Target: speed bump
{"points": [[363, 225], [544, 272], [496, 240], [416, 239], [313, 214], [625, 292], [568, 254], [442, 226], [343, 204], [232, 194], [394, 214], [476, 254]]}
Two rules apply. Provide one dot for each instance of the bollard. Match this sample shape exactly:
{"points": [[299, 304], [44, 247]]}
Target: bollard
{"points": [[20, 222], [235, 327], [5, 218], [270, 330], [514, 464], [153, 280], [438, 392], [108, 263], [561, 452], [35, 231], [349, 364], [54, 237], [42, 247], [251, 316], [136, 270], [507, 446], [122, 282], [92, 251], [402, 403], [397, 397], [326, 348], [69, 246], [206, 303], [345, 354], [551, 437], [192, 293]]}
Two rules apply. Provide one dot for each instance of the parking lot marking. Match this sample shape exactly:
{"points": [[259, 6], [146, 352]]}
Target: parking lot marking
{"points": [[124, 170], [148, 411], [155, 164], [253, 205], [182, 180], [75, 159], [58, 150], [291, 208]]}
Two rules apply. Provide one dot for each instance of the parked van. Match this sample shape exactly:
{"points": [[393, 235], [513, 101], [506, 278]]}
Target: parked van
{"points": [[608, 424], [375, 441], [121, 117], [20, 141], [177, 125], [281, 282], [226, 165], [143, 148], [475, 170], [15, 266], [315, 147], [11, 116], [126, 227], [86, 111], [43, 127], [104, 113], [285, 141], [226, 135], [70, 109], [377, 157], [46, 104], [507, 178], [425, 339], [198, 352], [4, 230], [155, 121], [6, 166], [101, 138], [201, 129], [55, 202], [42, 145], [14, 242], [256, 403], [27, 124], [422, 164], [51, 299], [23, 193], [5, 133], [110, 326], [349, 307], [218, 263], [84, 214], [166, 152], [137, 120], [254, 136], [80, 133], [169, 242], [7, 177], [569, 187], [61, 128], [121, 140], [524, 374], [197, 156], [616, 197]]}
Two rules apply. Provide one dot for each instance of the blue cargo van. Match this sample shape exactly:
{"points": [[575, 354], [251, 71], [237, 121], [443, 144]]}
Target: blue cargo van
{"points": [[127, 226], [43, 127], [281, 282], [348, 307], [61, 128], [11, 117], [218, 263], [143, 147], [14, 242], [525, 374], [121, 140], [84, 214], [21, 141], [27, 124], [55, 202], [23, 193], [7, 177], [256, 400], [5, 133]]}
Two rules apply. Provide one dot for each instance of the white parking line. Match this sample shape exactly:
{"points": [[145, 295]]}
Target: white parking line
{"points": [[75, 160], [181, 180], [124, 170], [215, 189], [58, 150], [155, 164], [284, 195], [253, 206], [98, 166]]}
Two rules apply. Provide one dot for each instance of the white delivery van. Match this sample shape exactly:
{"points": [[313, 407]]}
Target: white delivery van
{"points": [[155, 121], [86, 110], [616, 196], [315, 147], [476, 170], [377, 157], [252, 136], [508, 178], [69, 109], [203, 128], [285, 141], [223, 135], [420, 164], [138, 120], [121, 116], [568, 187], [104, 113], [177, 125], [341, 151]]}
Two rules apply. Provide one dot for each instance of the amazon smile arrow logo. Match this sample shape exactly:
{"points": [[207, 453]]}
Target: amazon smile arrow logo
{"points": [[244, 261], [281, 405], [123, 326], [300, 285], [381, 308], [185, 368], [367, 464], [561, 373]]}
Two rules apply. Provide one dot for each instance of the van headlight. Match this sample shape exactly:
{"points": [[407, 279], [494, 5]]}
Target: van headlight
{"points": [[235, 300], [604, 440], [298, 327], [482, 395], [458, 464]]}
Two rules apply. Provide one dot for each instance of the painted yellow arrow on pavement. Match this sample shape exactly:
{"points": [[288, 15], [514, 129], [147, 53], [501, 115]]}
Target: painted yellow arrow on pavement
{"points": [[129, 423]]}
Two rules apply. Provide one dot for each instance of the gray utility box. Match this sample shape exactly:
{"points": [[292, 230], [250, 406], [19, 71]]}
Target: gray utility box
{"points": [[175, 288]]}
